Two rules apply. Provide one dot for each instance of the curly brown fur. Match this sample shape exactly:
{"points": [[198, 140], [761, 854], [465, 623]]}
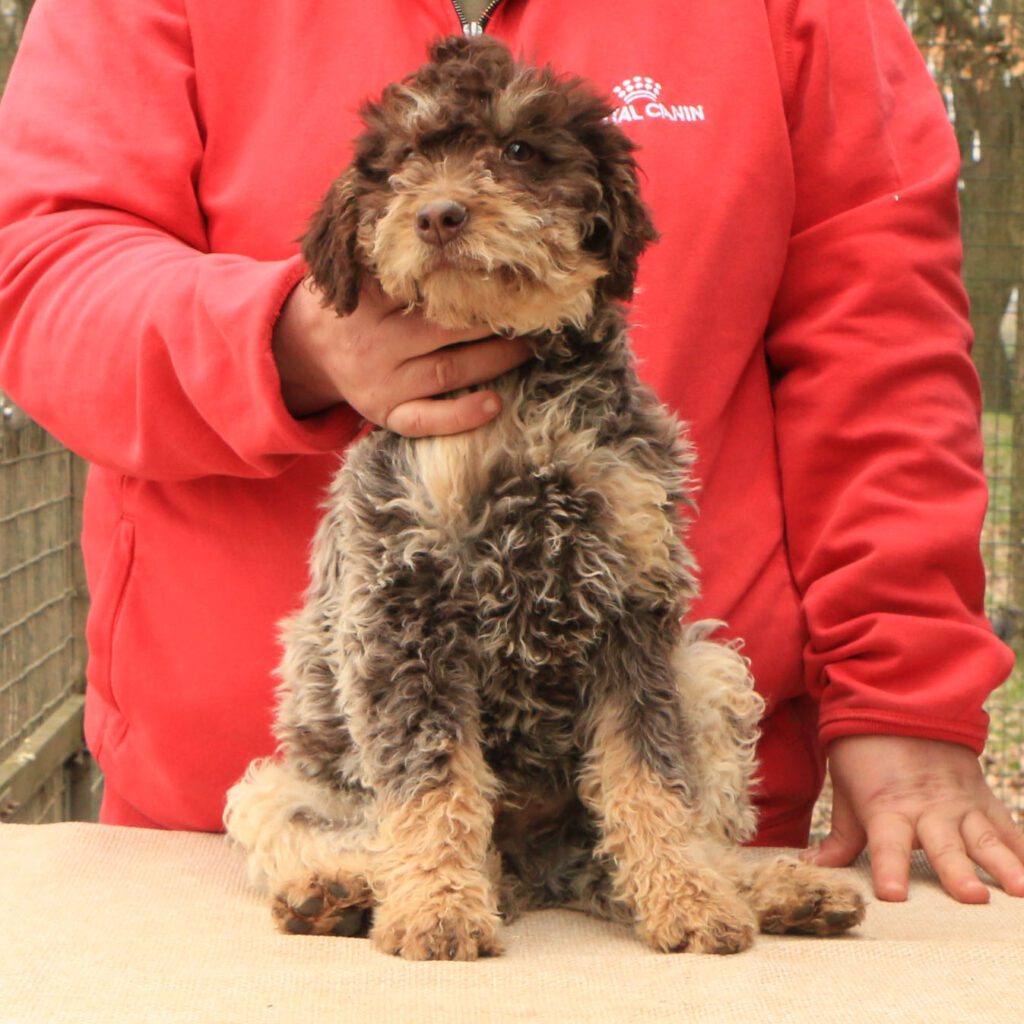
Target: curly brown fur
{"points": [[489, 701]]}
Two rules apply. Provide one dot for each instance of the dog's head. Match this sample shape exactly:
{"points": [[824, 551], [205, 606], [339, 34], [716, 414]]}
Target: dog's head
{"points": [[486, 192]]}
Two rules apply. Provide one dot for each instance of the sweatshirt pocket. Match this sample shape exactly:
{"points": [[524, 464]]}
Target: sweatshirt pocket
{"points": [[106, 603]]}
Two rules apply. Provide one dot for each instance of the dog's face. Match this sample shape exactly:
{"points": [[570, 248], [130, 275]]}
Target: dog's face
{"points": [[487, 193]]}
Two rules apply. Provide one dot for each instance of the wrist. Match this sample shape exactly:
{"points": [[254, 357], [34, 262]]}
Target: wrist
{"points": [[296, 345]]}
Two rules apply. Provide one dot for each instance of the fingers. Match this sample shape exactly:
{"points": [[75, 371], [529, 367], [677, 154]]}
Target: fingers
{"points": [[405, 337], [426, 417], [890, 841], [955, 847], [845, 840], [1010, 833], [994, 843], [406, 399], [946, 849], [389, 362], [890, 838], [390, 324], [461, 366]]}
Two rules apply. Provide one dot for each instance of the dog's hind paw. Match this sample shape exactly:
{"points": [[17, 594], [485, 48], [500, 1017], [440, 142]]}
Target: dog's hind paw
{"points": [[322, 906], [793, 897]]}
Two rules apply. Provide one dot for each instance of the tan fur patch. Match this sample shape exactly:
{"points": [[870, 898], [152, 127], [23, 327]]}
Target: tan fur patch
{"points": [[437, 899], [639, 517], [453, 469], [717, 690], [662, 869], [421, 105], [293, 829]]}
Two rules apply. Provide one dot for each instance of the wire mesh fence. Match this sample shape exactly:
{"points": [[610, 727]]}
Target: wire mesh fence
{"points": [[36, 589], [42, 653]]}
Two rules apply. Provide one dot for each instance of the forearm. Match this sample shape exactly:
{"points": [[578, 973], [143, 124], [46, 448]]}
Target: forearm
{"points": [[876, 399], [147, 356], [297, 344]]}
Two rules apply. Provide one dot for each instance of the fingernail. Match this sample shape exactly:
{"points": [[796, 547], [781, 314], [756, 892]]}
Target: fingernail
{"points": [[491, 406]]}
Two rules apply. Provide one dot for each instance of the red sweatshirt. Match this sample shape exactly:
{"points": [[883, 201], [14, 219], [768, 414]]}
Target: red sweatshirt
{"points": [[803, 311]]}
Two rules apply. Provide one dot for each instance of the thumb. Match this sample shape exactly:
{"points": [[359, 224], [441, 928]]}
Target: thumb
{"points": [[844, 842]]}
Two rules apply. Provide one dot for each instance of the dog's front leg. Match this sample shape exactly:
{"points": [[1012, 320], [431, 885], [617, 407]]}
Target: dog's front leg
{"points": [[636, 782], [434, 883]]}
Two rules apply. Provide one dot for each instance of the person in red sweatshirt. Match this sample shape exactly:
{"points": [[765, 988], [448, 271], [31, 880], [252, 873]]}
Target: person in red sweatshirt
{"points": [[803, 312]]}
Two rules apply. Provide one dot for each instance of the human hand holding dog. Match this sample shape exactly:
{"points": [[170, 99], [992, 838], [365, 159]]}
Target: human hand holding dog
{"points": [[894, 793], [387, 364]]}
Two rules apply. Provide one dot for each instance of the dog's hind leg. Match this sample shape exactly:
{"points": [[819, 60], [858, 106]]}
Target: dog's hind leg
{"points": [[790, 896], [308, 845], [785, 894], [303, 817]]}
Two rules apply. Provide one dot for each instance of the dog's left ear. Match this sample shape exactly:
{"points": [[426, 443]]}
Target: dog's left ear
{"points": [[330, 246], [622, 226]]}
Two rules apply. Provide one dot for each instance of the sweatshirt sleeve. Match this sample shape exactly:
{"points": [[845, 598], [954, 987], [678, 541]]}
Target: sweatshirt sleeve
{"points": [[876, 398], [120, 331]]}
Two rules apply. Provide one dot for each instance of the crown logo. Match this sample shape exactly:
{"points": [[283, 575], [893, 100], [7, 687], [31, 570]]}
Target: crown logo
{"points": [[638, 88]]}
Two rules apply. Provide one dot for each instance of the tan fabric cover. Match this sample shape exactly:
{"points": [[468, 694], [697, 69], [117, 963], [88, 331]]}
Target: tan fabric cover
{"points": [[104, 924]]}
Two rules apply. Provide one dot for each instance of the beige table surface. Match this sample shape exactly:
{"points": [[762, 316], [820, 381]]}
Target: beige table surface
{"points": [[107, 924]]}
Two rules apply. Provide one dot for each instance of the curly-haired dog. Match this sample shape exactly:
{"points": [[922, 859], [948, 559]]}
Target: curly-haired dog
{"points": [[489, 702]]}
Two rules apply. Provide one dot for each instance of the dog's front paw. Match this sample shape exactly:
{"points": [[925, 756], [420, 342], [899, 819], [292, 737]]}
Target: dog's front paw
{"points": [[324, 906], [445, 932], [698, 920], [793, 897]]}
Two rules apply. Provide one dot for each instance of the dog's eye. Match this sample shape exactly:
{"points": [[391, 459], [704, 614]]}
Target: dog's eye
{"points": [[518, 152]]}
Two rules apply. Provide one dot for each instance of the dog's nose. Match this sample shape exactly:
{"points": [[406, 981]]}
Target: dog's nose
{"points": [[439, 222]]}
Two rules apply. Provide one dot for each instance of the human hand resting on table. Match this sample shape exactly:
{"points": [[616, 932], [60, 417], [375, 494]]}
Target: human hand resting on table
{"points": [[387, 364], [894, 794]]}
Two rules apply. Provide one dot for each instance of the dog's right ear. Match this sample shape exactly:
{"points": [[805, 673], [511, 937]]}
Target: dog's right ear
{"points": [[330, 246]]}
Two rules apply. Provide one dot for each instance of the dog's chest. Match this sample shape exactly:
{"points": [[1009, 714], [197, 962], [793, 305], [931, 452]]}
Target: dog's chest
{"points": [[541, 541]]}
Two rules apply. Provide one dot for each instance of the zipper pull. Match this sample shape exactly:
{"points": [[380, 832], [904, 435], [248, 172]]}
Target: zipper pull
{"points": [[475, 28]]}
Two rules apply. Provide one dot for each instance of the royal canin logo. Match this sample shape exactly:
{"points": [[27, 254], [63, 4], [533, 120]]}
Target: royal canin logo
{"points": [[641, 100]]}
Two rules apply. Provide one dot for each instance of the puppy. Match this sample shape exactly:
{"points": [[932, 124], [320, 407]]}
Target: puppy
{"points": [[489, 701]]}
